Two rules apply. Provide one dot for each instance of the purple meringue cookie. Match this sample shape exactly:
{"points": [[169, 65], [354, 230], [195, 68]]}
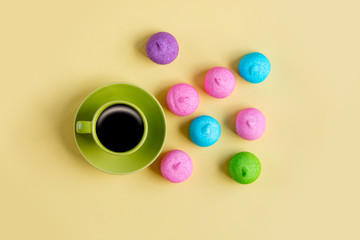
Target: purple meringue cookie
{"points": [[162, 48]]}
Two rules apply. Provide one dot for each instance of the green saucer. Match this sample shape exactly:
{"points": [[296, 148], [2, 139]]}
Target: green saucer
{"points": [[149, 150]]}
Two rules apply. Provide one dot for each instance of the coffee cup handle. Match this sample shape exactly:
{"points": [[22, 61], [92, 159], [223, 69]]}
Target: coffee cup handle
{"points": [[83, 127]]}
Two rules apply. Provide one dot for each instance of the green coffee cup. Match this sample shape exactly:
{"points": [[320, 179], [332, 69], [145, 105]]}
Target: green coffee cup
{"points": [[117, 127]]}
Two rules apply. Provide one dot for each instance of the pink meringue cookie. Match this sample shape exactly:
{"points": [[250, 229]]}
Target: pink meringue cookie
{"points": [[182, 99], [250, 123], [219, 82], [176, 166]]}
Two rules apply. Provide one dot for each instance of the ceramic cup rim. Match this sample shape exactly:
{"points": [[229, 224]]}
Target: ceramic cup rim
{"points": [[102, 109]]}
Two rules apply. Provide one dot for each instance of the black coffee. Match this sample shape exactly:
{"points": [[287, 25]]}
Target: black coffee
{"points": [[119, 128]]}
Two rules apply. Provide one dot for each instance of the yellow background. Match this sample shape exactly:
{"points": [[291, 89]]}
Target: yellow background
{"points": [[53, 53]]}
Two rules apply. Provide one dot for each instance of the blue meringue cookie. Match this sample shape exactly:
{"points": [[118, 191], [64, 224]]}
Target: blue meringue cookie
{"points": [[205, 131], [254, 67]]}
